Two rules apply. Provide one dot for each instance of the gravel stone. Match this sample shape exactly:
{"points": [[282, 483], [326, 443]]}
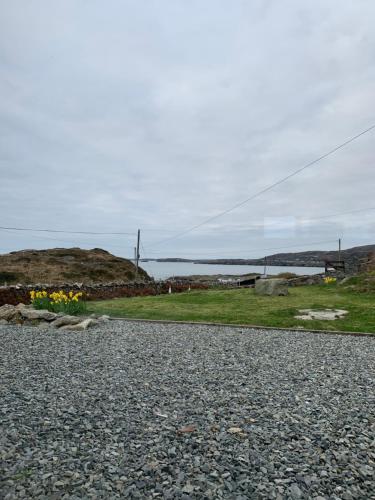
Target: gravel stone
{"points": [[142, 410]]}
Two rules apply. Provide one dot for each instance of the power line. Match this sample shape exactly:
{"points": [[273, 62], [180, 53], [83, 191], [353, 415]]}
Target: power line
{"points": [[271, 186], [60, 231], [305, 219], [158, 230], [341, 213], [161, 230], [44, 238], [301, 222], [264, 249], [145, 256]]}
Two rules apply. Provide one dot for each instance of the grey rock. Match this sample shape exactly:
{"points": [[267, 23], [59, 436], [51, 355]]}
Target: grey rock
{"points": [[21, 306], [274, 286], [37, 314], [65, 320], [8, 312], [83, 325], [295, 491], [3, 322]]}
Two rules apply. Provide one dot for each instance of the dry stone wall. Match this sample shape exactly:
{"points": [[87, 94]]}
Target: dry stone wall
{"points": [[21, 293]]}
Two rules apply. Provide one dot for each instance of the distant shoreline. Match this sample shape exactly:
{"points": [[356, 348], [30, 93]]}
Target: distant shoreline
{"points": [[238, 262], [311, 258]]}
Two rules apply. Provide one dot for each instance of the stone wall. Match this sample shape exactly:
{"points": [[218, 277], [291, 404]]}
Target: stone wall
{"points": [[21, 293], [314, 279]]}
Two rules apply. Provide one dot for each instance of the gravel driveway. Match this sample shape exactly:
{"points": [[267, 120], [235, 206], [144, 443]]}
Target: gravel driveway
{"points": [[139, 410]]}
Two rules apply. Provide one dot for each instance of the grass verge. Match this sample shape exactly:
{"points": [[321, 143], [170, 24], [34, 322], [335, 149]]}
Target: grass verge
{"points": [[242, 306]]}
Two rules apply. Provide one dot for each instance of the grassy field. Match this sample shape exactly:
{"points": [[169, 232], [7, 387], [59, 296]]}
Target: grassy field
{"points": [[242, 306]]}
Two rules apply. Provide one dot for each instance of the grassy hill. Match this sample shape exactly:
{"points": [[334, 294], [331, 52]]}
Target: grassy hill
{"points": [[66, 265]]}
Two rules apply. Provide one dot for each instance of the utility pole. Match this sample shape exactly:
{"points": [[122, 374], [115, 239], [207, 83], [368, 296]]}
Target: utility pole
{"points": [[265, 267], [137, 253]]}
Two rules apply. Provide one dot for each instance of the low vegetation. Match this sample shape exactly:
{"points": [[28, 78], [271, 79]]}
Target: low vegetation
{"points": [[68, 303], [242, 306], [66, 265], [363, 283]]}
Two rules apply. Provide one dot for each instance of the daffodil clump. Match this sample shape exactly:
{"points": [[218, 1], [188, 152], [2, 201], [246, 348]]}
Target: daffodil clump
{"points": [[329, 280], [69, 302]]}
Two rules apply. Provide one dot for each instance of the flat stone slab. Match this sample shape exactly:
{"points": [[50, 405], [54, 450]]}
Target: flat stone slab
{"points": [[322, 314]]}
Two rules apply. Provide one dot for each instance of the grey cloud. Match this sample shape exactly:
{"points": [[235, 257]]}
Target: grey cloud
{"points": [[161, 114]]}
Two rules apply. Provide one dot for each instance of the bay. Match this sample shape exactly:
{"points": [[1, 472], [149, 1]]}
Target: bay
{"points": [[163, 270]]}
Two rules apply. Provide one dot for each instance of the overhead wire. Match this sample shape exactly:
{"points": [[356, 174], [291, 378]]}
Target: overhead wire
{"points": [[6, 228], [268, 188], [44, 238], [263, 249], [304, 219], [210, 219], [63, 231], [147, 259]]}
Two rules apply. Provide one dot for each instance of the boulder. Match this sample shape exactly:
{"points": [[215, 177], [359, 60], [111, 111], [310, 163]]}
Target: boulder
{"points": [[21, 306], [83, 325], [104, 318], [274, 286], [8, 312], [65, 320], [3, 322], [345, 280], [38, 314]]}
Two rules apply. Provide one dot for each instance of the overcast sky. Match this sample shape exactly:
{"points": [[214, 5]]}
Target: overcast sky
{"points": [[157, 115]]}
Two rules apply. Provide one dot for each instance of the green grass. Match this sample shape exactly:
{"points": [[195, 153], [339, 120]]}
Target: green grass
{"points": [[242, 306]]}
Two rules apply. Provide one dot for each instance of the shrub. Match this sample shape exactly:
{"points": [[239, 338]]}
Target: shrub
{"points": [[68, 303], [6, 277], [329, 280]]}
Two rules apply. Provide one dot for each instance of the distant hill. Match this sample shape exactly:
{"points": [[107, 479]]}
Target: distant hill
{"points": [[312, 258], [66, 265]]}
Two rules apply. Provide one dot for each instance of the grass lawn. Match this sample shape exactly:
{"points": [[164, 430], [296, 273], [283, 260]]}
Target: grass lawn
{"points": [[244, 307]]}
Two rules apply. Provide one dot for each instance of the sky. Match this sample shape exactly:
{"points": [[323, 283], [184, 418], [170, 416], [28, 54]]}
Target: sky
{"points": [[159, 115]]}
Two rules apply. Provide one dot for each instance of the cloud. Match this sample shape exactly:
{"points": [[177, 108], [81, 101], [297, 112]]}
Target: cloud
{"points": [[159, 115]]}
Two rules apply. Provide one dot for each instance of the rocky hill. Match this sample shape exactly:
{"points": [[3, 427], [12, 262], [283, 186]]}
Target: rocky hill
{"points": [[66, 265]]}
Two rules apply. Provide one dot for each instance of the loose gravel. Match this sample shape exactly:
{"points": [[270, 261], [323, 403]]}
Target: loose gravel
{"points": [[139, 410]]}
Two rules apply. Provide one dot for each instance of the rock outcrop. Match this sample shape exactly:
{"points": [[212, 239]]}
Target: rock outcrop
{"points": [[26, 315], [69, 265]]}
